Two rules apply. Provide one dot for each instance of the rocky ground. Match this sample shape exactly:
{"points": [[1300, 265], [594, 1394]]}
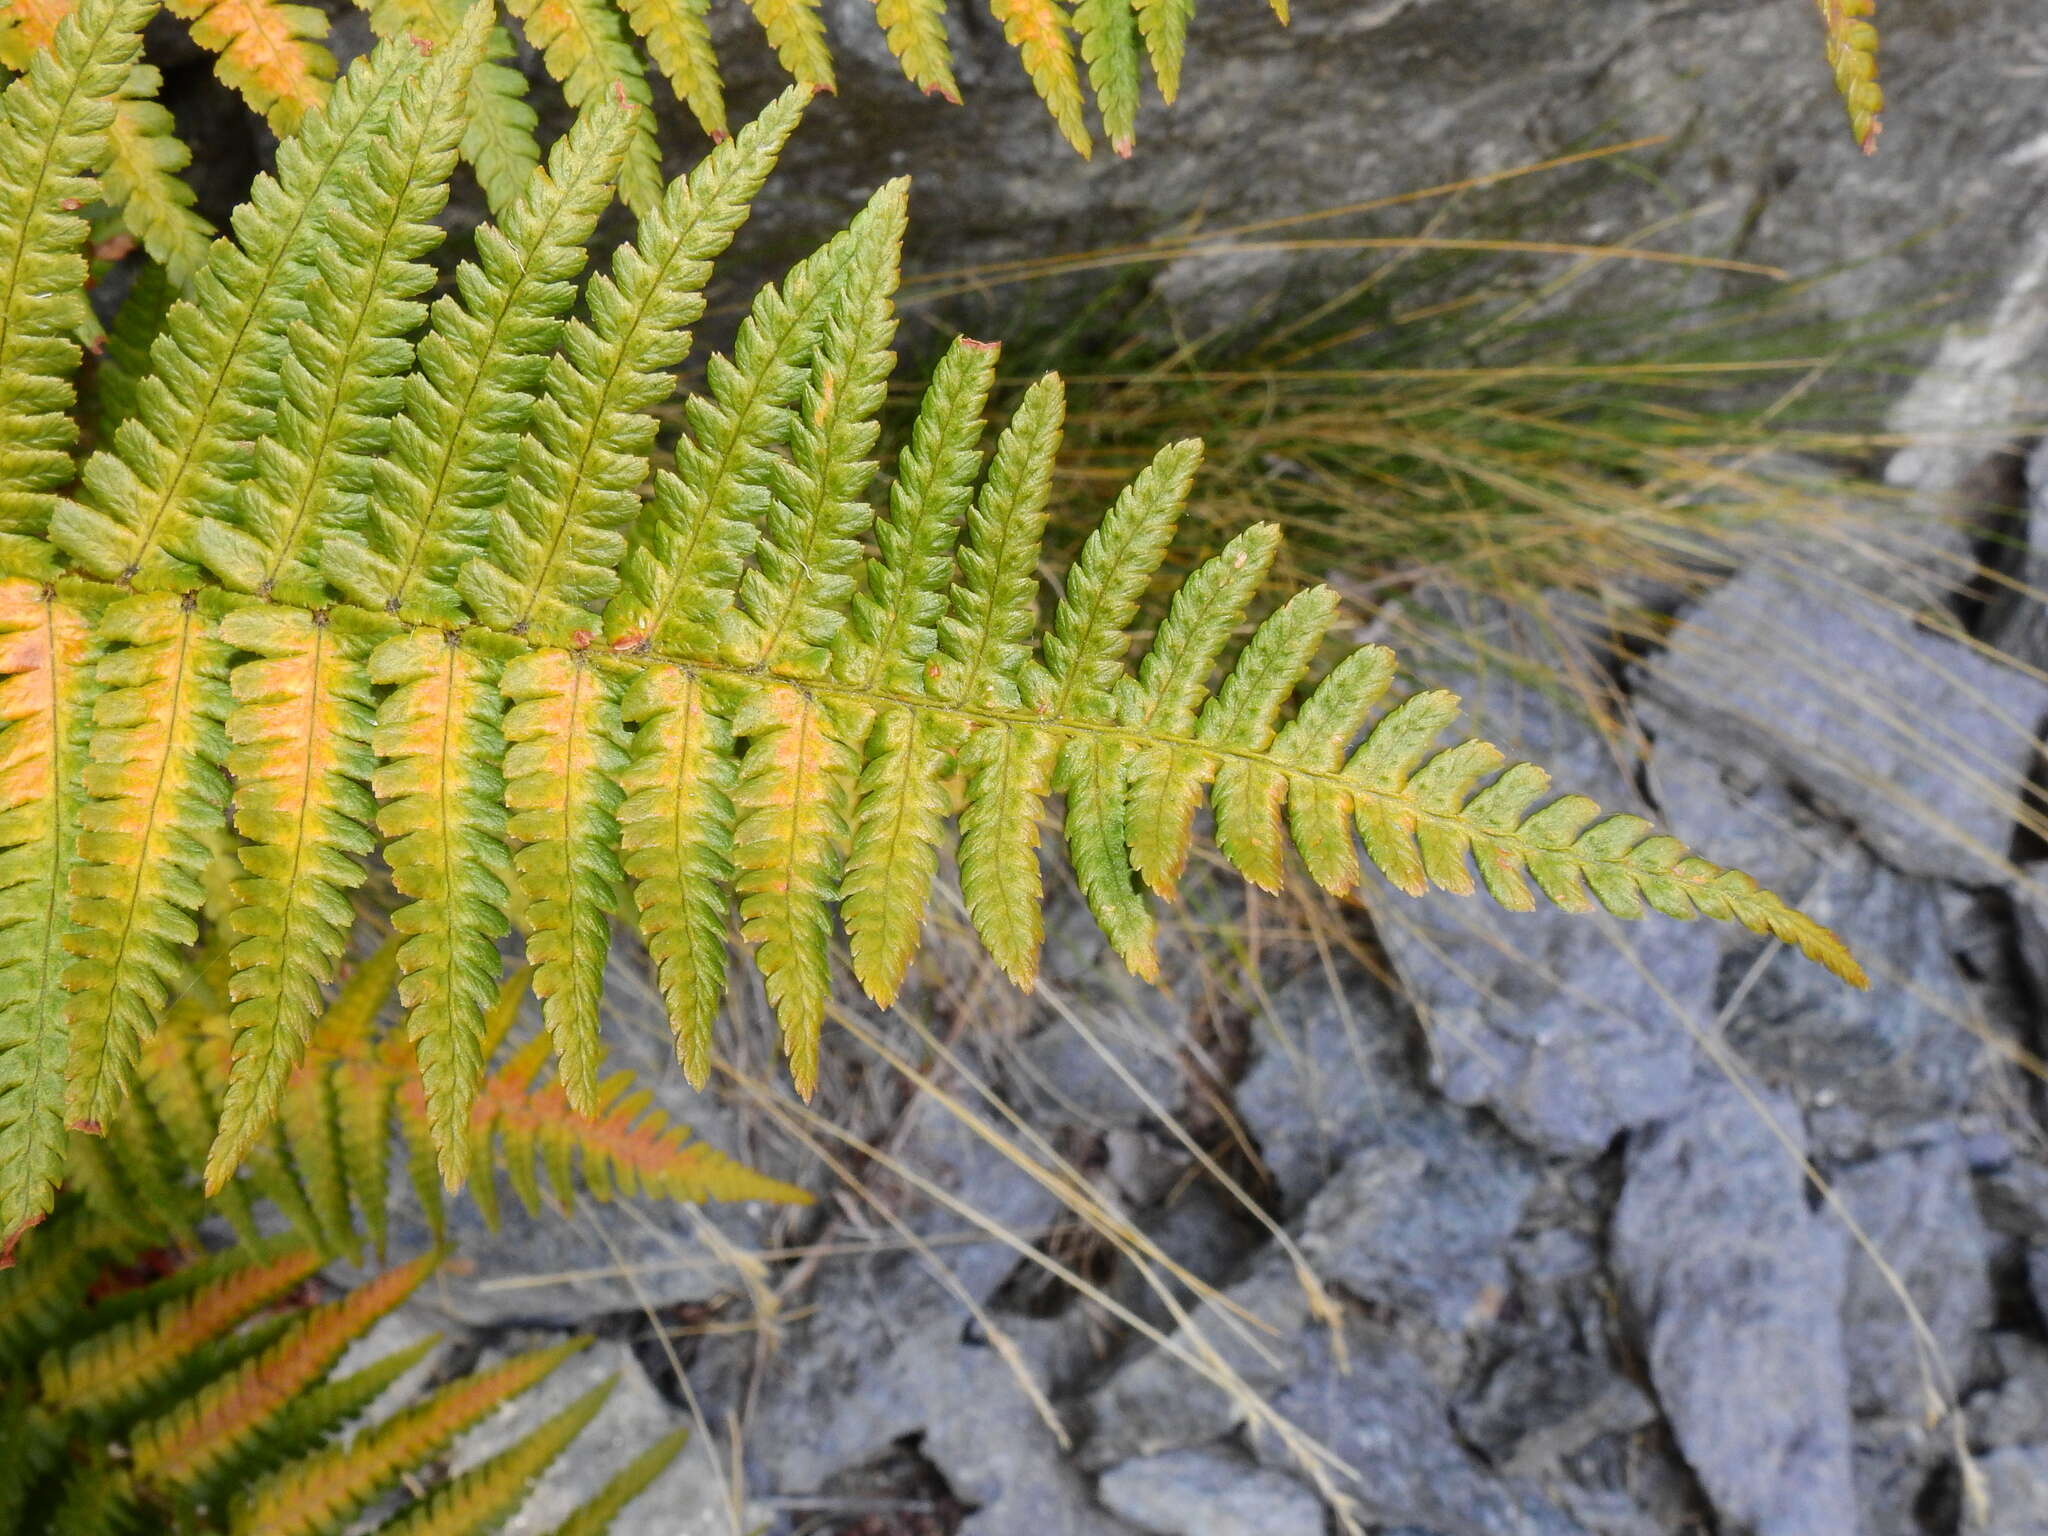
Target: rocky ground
{"points": [[1443, 1224]]}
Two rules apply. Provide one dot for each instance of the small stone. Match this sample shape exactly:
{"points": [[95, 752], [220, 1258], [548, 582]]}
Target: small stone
{"points": [[1209, 1492]]}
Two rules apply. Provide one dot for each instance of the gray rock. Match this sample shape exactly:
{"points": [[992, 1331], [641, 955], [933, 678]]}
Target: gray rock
{"points": [[1209, 1492], [1737, 1286], [2015, 1411], [1423, 1197], [2015, 1484], [1917, 1208], [1383, 1416], [1422, 1229], [690, 1498], [1547, 1400], [1778, 662]]}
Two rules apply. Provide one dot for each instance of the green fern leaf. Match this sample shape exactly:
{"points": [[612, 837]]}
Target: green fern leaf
{"points": [[472, 390], [628, 1483], [299, 735], [190, 1445], [1108, 30], [1164, 25], [916, 30], [796, 32], [482, 1498], [572, 489], [565, 753], [142, 180], [54, 124], [683, 567], [125, 363], [792, 602], [325, 1492], [439, 741], [219, 354], [1852, 60]]}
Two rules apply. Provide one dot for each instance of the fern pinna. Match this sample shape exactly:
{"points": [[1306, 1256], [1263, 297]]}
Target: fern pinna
{"points": [[356, 570], [1852, 59], [206, 1400]]}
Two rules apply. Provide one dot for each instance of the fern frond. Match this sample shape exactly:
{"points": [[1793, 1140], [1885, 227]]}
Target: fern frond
{"points": [[481, 1498], [1042, 34], [48, 685], [583, 43], [154, 783], [325, 1492], [628, 1483], [54, 123], [268, 51], [786, 682], [189, 1445], [1852, 60]]}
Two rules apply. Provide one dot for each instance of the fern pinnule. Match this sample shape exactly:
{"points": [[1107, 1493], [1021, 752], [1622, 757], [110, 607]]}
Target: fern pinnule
{"points": [[1043, 35], [796, 31], [142, 179], [1109, 47], [153, 785], [678, 38], [324, 1492], [595, 1516], [916, 30], [1852, 60]]}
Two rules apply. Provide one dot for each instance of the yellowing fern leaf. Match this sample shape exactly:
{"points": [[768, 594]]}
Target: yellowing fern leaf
{"points": [[745, 688]]}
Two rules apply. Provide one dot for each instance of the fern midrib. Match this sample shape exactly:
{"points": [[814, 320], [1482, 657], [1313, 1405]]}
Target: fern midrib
{"points": [[817, 692]]}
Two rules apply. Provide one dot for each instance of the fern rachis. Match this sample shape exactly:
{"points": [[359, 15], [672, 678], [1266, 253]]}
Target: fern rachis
{"points": [[784, 686]]}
